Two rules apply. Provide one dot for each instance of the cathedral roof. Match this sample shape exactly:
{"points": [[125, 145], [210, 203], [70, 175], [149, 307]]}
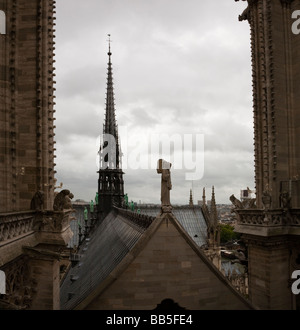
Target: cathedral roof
{"points": [[99, 256], [191, 219], [116, 244]]}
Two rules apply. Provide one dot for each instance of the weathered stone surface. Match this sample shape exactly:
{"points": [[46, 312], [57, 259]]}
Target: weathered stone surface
{"points": [[27, 232], [26, 100], [273, 229]]}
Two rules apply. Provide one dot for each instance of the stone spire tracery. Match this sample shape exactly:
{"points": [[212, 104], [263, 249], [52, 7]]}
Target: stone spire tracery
{"points": [[110, 184]]}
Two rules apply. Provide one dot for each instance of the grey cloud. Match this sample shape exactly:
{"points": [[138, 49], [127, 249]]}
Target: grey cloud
{"points": [[179, 67]]}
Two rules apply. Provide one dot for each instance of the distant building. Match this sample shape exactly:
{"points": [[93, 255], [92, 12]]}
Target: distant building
{"points": [[246, 195]]}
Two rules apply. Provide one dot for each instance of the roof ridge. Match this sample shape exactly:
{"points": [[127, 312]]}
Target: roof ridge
{"points": [[139, 219]]}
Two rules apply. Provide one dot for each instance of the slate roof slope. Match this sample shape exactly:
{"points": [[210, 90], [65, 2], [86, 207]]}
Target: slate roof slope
{"points": [[153, 232], [113, 246], [191, 218], [109, 244]]}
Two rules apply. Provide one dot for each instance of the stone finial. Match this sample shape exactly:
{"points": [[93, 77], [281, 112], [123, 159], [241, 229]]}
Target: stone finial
{"points": [[213, 209]]}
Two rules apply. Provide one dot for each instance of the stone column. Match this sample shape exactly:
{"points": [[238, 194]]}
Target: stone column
{"points": [[53, 234], [45, 266]]}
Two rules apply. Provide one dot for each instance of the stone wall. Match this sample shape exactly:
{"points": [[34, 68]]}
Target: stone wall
{"points": [[269, 280], [26, 103]]}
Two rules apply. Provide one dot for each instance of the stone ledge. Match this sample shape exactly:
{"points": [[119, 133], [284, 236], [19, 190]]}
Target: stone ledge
{"points": [[268, 222]]}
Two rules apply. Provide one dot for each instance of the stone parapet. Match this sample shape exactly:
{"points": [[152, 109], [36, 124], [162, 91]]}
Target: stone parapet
{"points": [[30, 229], [14, 225], [268, 222], [35, 240]]}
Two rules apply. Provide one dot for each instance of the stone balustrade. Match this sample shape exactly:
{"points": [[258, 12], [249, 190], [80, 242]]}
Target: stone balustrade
{"points": [[268, 222], [268, 217], [14, 225], [29, 229], [32, 243]]}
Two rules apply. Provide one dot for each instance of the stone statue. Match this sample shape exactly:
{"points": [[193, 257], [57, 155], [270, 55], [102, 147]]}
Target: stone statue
{"points": [[132, 207], [85, 214], [37, 202], [266, 197], [163, 168], [285, 200], [126, 200], [92, 206], [63, 201]]}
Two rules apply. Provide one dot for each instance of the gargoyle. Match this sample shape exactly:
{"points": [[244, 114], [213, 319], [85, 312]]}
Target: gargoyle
{"points": [[236, 202], [62, 200]]}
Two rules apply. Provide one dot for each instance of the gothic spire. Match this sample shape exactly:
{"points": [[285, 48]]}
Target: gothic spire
{"points": [[203, 197], [110, 128], [213, 208], [110, 183], [191, 203], [110, 124]]}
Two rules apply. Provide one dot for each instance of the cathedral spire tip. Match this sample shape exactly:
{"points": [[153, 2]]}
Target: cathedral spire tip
{"points": [[109, 45]]}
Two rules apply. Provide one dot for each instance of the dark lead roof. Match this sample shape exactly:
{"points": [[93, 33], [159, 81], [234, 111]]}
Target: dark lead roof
{"points": [[191, 219], [108, 245]]}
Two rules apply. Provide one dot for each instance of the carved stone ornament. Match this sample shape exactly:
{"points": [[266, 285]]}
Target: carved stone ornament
{"points": [[266, 200], [245, 16], [285, 200], [37, 202], [52, 221], [14, 225], [236, 202], [20, 286]]}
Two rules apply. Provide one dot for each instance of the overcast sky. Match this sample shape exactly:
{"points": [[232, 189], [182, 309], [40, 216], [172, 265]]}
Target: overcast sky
{"points": [[180, 68]]}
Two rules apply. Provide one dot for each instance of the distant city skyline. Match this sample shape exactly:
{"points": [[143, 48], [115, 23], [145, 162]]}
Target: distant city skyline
{"points": [[178, 68]]}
